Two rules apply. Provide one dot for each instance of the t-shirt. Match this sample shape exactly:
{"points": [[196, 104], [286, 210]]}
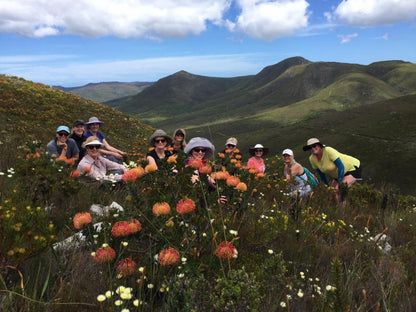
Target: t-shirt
{"points": [[54, 148], [259, 166], [327, 166], [153, 154], [99, 135]]}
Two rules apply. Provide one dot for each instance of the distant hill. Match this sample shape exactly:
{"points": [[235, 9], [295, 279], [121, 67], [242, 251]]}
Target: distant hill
{"points": [[106, 91], [32, 111], [306, 87]]}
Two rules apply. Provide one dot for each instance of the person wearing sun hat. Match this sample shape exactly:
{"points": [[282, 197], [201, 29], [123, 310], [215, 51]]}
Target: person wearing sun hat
{"points": [[231, 147], [92, 126], [94, 165], [62, 146], [295, 175], [256, 161], [328, 162], [159, 140]]}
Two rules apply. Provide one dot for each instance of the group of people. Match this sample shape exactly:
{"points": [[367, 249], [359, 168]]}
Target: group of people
{"points": [[87, 146]]}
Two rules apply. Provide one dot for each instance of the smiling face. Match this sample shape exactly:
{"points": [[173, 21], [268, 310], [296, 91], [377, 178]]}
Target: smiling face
{"points": [[287, 158], [62, 136], [93, 150], [160, 142], [198, 152], [78, 130], [315, 149], [94, 127], [258, 152], [179, 136]]}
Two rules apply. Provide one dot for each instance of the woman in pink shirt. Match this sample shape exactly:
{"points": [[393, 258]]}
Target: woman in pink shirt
{"points": [[257, 162]]}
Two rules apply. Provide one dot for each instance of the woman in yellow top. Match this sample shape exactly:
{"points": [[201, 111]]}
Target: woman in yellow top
{"points": [[329, 162]]}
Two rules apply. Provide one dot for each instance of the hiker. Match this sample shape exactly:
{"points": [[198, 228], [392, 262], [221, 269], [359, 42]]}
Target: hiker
{"points": [[78, 136], [231, 147], [199, 150], [95, 165], [178, 142], [256, 161], [329, 162], [159, 140], [62, 146], [295, 175], [92, 126]]}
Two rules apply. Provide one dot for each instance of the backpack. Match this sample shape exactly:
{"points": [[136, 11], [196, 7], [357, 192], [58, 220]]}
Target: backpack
{"points": [[312, 179]]}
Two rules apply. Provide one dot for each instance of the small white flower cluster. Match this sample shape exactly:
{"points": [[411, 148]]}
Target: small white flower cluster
{"points": [[124, 294], [10, 172]]}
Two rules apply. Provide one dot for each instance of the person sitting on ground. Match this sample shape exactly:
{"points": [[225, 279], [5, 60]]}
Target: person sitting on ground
{"points": [[327, 161], [78, 136], [295, 175], [159, 140], [178, 142], [256, 161], [63, 147], [96, 166], [110, 152]]}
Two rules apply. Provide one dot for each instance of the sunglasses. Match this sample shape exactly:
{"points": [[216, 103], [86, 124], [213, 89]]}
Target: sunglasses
{"points": [[230, 145], [312, 146], [91, 147], [199, 150], [258, 150], [179, 134], [286, 155], [160, 141], [63, 133]]}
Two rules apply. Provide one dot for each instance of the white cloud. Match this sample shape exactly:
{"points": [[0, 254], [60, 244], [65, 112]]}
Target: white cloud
{"points": [[270, 19], [369, 13], [385, 36], [121, 18], [152, 69], [347, 38]]}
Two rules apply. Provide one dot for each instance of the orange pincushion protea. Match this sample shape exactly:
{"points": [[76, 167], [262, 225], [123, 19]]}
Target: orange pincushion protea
{"points": [[226, 251], [135, 226], [129, 176], [161, 209], [126, 267], [75, 174], [241, 187], [206, 169], [168, 256], [81, 219], [150, 168], [121, 229], [104, 254], [86, 169], [233, 181], [185, 206], [172, 159]]}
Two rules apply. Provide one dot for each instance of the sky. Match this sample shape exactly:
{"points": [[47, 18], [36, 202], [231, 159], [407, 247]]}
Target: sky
{"points": [[72, 43]]}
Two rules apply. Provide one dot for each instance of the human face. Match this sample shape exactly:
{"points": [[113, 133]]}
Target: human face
{"points": [[287, 158], [258, 152], [198, 152], [78, 130], [94, 127], [93, 150], [315, 149], [62, 136], [179, 136], [160, 142]]}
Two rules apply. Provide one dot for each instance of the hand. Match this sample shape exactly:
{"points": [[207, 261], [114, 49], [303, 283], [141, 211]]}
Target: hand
{"points": [[222, 200]]}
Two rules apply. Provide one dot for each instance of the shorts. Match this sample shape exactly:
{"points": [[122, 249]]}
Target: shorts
{"points": [[356, 173]]}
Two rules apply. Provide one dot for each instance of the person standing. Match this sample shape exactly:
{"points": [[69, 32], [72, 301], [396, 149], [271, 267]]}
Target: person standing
{"points": [[62, 146]]}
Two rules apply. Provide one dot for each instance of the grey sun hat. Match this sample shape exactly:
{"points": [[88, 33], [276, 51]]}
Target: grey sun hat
{"points": [[159, 133], [258, 146], [312, 141], [200, 142], [94, 120]]}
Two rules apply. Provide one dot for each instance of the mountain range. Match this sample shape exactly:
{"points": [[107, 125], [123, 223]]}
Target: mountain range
{"points": [[367, 111]]}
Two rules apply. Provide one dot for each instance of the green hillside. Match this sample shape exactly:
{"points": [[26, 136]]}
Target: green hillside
{"points": [[310, 87], [107, 91], [32, 111]]}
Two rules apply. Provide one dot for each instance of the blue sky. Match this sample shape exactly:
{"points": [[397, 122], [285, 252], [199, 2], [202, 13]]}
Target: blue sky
{"points": [[72, 43]]}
